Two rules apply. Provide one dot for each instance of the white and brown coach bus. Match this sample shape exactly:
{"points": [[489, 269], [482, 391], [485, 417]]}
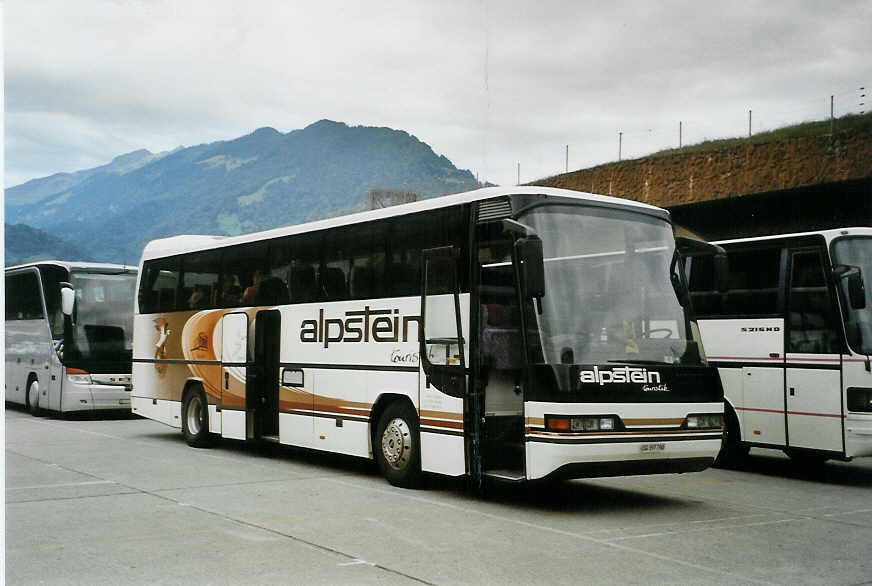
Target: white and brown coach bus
{"points": [[506, 332]]}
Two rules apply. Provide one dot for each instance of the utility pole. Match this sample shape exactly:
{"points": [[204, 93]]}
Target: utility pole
{"points": [[567, 158], [679, 134], [749, 123], [620, 140], [519, 173], [832, 121]]}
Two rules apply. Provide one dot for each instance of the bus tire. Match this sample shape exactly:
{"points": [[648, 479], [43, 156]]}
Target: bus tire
{"points": [[195, 418], [733, 450], [32, 398], [397, 446]]}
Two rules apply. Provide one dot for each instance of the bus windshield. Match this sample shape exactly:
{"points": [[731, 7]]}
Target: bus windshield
{"points": [[102, 324], [857, 252], [609, 296]]}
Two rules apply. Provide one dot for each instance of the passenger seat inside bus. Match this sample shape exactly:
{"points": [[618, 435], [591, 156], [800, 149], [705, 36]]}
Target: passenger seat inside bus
{"points": [[304, 287], [362, 282], [334, 285], [272, 291]]}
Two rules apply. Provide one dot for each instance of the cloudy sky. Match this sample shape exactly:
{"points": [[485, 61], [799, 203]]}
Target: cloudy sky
{"points": [[487, 83]]}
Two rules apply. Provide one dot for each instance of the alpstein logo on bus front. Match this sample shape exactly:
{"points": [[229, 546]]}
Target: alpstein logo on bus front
{"points": [[623, 375]]}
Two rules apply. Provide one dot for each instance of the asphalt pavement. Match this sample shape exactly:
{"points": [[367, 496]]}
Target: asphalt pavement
{"points": [[120, 500]]}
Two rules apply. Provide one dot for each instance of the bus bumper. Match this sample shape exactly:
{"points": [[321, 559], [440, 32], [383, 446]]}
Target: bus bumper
{"points": [[91, 397], [568, 460]]}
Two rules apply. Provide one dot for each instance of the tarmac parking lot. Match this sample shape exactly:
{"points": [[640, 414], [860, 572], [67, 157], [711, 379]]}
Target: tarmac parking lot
{"points": [[118, 500]]}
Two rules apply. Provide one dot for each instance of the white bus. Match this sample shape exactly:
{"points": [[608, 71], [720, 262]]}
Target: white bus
{"points": [[69, 335], [433, 337], [792, 339]]}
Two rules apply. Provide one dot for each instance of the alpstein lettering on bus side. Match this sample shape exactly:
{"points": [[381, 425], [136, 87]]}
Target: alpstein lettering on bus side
{"points": [[622, 374], [762, 329], [376, 325]]}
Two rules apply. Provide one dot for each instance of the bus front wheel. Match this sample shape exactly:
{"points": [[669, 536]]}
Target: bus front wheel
{"points": [[195, 419], [33, 398], [398, 446], [733, 450]]}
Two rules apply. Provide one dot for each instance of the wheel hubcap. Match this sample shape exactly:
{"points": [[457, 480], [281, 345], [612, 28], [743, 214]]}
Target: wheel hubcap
{"points": [[195, 414], [396, 443]]}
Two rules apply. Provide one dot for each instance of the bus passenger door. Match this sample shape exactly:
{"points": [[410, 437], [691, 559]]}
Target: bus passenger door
{"points": [[234, 360], [761, 404], [443, 359], [262, 396], [813, 384]]}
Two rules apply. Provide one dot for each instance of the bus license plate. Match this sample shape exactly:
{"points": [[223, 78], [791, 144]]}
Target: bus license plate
{"points": [[648, 448]]}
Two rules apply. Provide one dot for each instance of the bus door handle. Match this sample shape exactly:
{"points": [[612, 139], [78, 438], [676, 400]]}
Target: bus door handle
{"points": [[226, 380], [792, 391]]}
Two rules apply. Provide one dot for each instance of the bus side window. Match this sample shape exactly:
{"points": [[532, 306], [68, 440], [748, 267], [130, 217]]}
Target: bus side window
{"points": [[243, 272], [51, 278], [812, 327], [417, 232], [753, 284], [157, 287], [23, 300], [200, 280], [13, 298]]}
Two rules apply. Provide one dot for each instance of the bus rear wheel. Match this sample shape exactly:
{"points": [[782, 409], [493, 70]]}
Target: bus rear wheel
{"points": [[397, 446], [32, 398], [195, 419]]}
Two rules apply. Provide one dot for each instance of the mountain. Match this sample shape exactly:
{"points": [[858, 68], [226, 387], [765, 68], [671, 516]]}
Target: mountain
{"points": [[25, 244], [259, 181], [54, 185]]}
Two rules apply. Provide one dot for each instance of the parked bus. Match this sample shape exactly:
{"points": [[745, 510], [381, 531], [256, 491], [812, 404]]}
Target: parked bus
{"points": [[792, 339], [69, 335], [506, 332]]}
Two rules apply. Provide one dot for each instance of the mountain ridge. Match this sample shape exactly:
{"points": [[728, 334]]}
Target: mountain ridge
{"points": [[257, 181]]}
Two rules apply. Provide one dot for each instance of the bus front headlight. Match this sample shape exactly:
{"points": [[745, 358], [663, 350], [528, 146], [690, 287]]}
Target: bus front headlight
{"points": [[78, 376]]}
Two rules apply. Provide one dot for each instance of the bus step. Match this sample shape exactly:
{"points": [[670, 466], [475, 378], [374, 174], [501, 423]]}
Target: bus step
{"points": [[270, 438], [509, 475]]}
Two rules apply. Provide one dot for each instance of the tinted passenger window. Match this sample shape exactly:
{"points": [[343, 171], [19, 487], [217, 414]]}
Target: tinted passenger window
{"points": [[158, 285], [23, 297], [753, 284], [411, 235], [243, 276], [52, 276], [200, 282]]}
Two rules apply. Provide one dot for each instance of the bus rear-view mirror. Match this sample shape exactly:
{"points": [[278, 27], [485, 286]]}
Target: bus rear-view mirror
{"points": [[857, 291], [856, 286], [68, 299], [532, 266]]}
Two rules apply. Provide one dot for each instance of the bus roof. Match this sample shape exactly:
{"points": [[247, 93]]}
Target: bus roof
{"points": [[188, 243], [829, 235], [77, 265]]}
